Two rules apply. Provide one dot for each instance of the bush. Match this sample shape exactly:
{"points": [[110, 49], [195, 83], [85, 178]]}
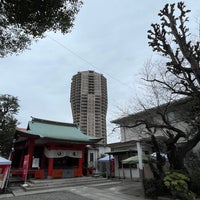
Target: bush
{"points": [[154, 188], [178, 185], [150, 188], [195, 181]]}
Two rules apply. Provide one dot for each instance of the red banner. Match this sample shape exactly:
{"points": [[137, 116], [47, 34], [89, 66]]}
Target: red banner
{"points": [[25, 167]]}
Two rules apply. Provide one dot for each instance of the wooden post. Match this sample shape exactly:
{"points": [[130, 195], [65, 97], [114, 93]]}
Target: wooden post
{"points": [[82, 160], [50, 167], [130, 171], [42, 161]]}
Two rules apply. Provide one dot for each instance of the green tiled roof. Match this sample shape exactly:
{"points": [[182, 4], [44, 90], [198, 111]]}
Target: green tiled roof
{"points": [[58, 131]]}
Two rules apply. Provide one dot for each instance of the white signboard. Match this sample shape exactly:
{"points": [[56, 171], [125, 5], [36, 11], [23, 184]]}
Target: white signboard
{"points": [[35, 163], [62, 153]]}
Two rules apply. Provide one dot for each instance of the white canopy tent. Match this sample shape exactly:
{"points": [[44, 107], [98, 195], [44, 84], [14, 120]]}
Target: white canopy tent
{"points": [[4, 171], [106, 158], [105, 165], [4, 161]]}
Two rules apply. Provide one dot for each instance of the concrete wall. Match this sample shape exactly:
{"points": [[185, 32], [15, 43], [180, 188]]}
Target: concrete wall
{"points": [[103, 150]]}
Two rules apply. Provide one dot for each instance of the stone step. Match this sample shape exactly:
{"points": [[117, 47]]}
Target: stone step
{"points": [[79, 180], [110, 189], [92, 184], [63, 180], [43, 185]]}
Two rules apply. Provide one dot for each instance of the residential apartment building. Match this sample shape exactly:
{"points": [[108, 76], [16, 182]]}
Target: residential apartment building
{"points": [[89, 103]]}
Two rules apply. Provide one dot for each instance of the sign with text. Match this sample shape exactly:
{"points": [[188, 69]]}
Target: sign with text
{"points": [[35, 163], [62, 153]]}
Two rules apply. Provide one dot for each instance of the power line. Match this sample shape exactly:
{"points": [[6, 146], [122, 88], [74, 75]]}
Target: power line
{"points": [[86, 61]]}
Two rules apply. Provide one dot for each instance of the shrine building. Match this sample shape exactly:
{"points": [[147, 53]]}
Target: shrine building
{"points": [[49, 149]]}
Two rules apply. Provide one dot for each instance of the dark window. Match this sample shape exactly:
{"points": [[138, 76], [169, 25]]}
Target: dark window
{"points": [[91, 157], [65, 162]]}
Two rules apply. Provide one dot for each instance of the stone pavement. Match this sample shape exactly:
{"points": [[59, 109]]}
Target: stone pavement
{"points": [[59, 195], [119, 190]]}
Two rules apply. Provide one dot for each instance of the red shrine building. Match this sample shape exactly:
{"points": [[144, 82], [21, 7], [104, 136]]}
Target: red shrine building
{"points": [[49, 149]]}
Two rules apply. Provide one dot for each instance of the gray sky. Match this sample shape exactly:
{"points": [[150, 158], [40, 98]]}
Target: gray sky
{"points": [[109, 37]]}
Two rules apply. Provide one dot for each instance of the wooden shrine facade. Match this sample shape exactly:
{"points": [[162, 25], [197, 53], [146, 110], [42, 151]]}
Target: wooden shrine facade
{"points": [[48, 149]]}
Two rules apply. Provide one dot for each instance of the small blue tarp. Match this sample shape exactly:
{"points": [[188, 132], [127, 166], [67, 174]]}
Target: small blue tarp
{"points": [[105, 159]]}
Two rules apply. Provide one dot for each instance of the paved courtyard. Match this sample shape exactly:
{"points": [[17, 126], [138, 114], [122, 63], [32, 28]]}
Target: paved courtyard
{"points": [[127, 190], [59, 195], [106, 190]]}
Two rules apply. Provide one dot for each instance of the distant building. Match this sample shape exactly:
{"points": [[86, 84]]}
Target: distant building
{"points": [[89, 103]]}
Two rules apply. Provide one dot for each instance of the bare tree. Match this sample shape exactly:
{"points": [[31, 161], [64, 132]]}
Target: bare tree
{"points": [[181, 77], [170, 38], [178, 77]]}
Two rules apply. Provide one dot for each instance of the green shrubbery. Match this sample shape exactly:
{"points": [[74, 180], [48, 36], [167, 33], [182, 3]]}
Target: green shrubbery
{"points": [[177, 183]]}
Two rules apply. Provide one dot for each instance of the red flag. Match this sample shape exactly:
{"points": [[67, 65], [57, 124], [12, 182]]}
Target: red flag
{"points": [[25, 167]]}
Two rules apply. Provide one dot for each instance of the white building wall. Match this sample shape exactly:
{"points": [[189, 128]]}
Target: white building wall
{"points": [[140, 132], [102, 150]]}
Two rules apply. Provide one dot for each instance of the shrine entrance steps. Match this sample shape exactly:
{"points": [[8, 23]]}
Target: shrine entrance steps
{"points": [[68, 182], [47, 185], [91, 187]]}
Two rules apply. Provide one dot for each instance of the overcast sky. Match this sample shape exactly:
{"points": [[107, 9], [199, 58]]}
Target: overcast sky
{"points": [[109, 37]]}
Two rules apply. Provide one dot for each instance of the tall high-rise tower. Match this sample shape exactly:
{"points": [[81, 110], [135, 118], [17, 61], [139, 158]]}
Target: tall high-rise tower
{"points": [[89, 103]]}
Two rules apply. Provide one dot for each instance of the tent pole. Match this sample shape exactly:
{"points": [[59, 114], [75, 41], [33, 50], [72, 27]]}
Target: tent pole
{"points": [[110, 165], [130, 171], [118, 166], [7, 178], [123, 171]]}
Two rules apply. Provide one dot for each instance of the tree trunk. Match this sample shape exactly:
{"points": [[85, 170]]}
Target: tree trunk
{"points": [[160, 161], [176, 154], [176, 160]]}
